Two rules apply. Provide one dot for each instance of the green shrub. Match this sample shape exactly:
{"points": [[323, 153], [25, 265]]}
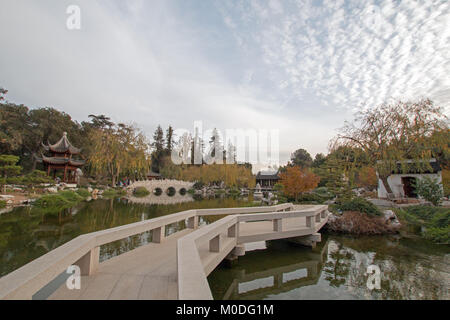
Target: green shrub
{"points": [[430, 189], [426, 213], [112, 193], [71, 196], [359, 205], [53, 200], [324, 193], [278, 187], [438, 235], [63, 199], [37, 177], [310, 198], [436, 221], [441, 219], [83, 193], [2, 203], [141, 192], [235, 191], [14, 180]]}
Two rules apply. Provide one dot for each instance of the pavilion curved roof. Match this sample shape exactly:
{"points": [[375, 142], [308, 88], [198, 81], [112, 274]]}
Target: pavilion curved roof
{"points": [[62, 146], [62, 161]]}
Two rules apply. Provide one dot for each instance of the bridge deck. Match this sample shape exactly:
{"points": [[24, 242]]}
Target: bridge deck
{"points": [[150, 271]]}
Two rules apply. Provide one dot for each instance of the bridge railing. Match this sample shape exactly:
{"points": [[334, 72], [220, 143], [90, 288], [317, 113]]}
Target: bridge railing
{"points": [[218, 239], [84, 250]]}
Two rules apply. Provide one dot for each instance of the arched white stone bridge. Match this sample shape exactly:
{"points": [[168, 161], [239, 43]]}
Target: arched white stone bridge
{"points": [[164, 185]]}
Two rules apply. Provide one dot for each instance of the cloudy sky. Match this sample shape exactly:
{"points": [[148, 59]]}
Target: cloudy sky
{"points": [[302, 67]]}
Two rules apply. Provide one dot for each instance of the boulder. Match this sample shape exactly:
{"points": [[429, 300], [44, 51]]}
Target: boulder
{"points": [[52, 190]]}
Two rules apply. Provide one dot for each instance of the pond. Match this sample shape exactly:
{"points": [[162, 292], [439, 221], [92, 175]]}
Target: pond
{"points": [[27, 233], [410, 268]]}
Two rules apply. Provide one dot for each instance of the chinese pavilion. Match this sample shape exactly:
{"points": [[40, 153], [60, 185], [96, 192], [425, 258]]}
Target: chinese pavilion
{"points": [[61, 159]]}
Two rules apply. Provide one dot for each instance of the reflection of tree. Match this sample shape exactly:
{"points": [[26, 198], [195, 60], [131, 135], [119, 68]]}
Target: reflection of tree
{"points": [[408, 270], [337, 267]]}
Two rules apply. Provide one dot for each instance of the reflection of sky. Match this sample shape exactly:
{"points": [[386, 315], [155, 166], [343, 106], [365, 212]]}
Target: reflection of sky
{"points": [[418, 277], [255, 284], [294, 275]]}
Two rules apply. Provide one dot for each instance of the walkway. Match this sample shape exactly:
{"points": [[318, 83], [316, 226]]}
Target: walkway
{"points": [[146, 273]]}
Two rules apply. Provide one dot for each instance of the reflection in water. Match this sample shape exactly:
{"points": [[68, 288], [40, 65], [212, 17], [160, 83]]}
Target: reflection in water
{"points": [[279, 268], [163, 198], [27, 233], [336, 269]]}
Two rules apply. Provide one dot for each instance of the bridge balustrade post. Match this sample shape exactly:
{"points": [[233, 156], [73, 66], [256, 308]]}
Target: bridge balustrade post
{"points": [[158, 234], [192, 222], [318, 217], [310, 222], [214, 244], [89, 262], [323, 214], [233, 231], [277, 225]]}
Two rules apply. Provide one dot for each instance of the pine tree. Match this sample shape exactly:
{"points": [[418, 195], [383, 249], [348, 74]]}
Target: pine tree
{"points": [[169, 140], [158, 152]]}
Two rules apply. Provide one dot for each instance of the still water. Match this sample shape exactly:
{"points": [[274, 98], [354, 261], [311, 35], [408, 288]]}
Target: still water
{"points": [[411, 268], [336, 269], [27, 233]]}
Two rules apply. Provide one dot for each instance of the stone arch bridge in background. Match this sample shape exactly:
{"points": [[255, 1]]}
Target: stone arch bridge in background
{"points": [[164, 185]]}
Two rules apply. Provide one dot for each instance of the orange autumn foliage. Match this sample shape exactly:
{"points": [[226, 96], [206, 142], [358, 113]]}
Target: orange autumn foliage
{"points": [[297, 180]]}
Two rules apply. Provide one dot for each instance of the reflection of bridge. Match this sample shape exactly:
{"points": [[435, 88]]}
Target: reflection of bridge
{"points": [[172, 266], [276, 276], [163, 185], [164, 198]]}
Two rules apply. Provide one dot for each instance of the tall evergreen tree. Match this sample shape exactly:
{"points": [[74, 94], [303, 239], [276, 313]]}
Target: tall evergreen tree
{"points": [[158, 152], [169, 140]]}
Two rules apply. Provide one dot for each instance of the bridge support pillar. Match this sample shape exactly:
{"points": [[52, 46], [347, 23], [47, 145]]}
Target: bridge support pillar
{"points": [[239, 250], [158, 234], [192, 222], [309, 241], [89, 262]]}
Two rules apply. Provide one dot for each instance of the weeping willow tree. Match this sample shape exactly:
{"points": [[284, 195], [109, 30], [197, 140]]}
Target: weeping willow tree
{"points": [[398, 137], [118, 150]]}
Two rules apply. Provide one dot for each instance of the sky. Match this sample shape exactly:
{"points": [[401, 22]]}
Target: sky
{"points": [[300, 67]]}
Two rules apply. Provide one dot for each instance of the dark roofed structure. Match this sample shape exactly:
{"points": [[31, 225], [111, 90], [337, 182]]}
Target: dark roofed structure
{"points": [[61, 158], [153, 176], [267, 179]]}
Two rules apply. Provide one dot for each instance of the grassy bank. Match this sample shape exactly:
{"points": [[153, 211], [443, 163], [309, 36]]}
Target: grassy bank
{"points": [[62, 199]]}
